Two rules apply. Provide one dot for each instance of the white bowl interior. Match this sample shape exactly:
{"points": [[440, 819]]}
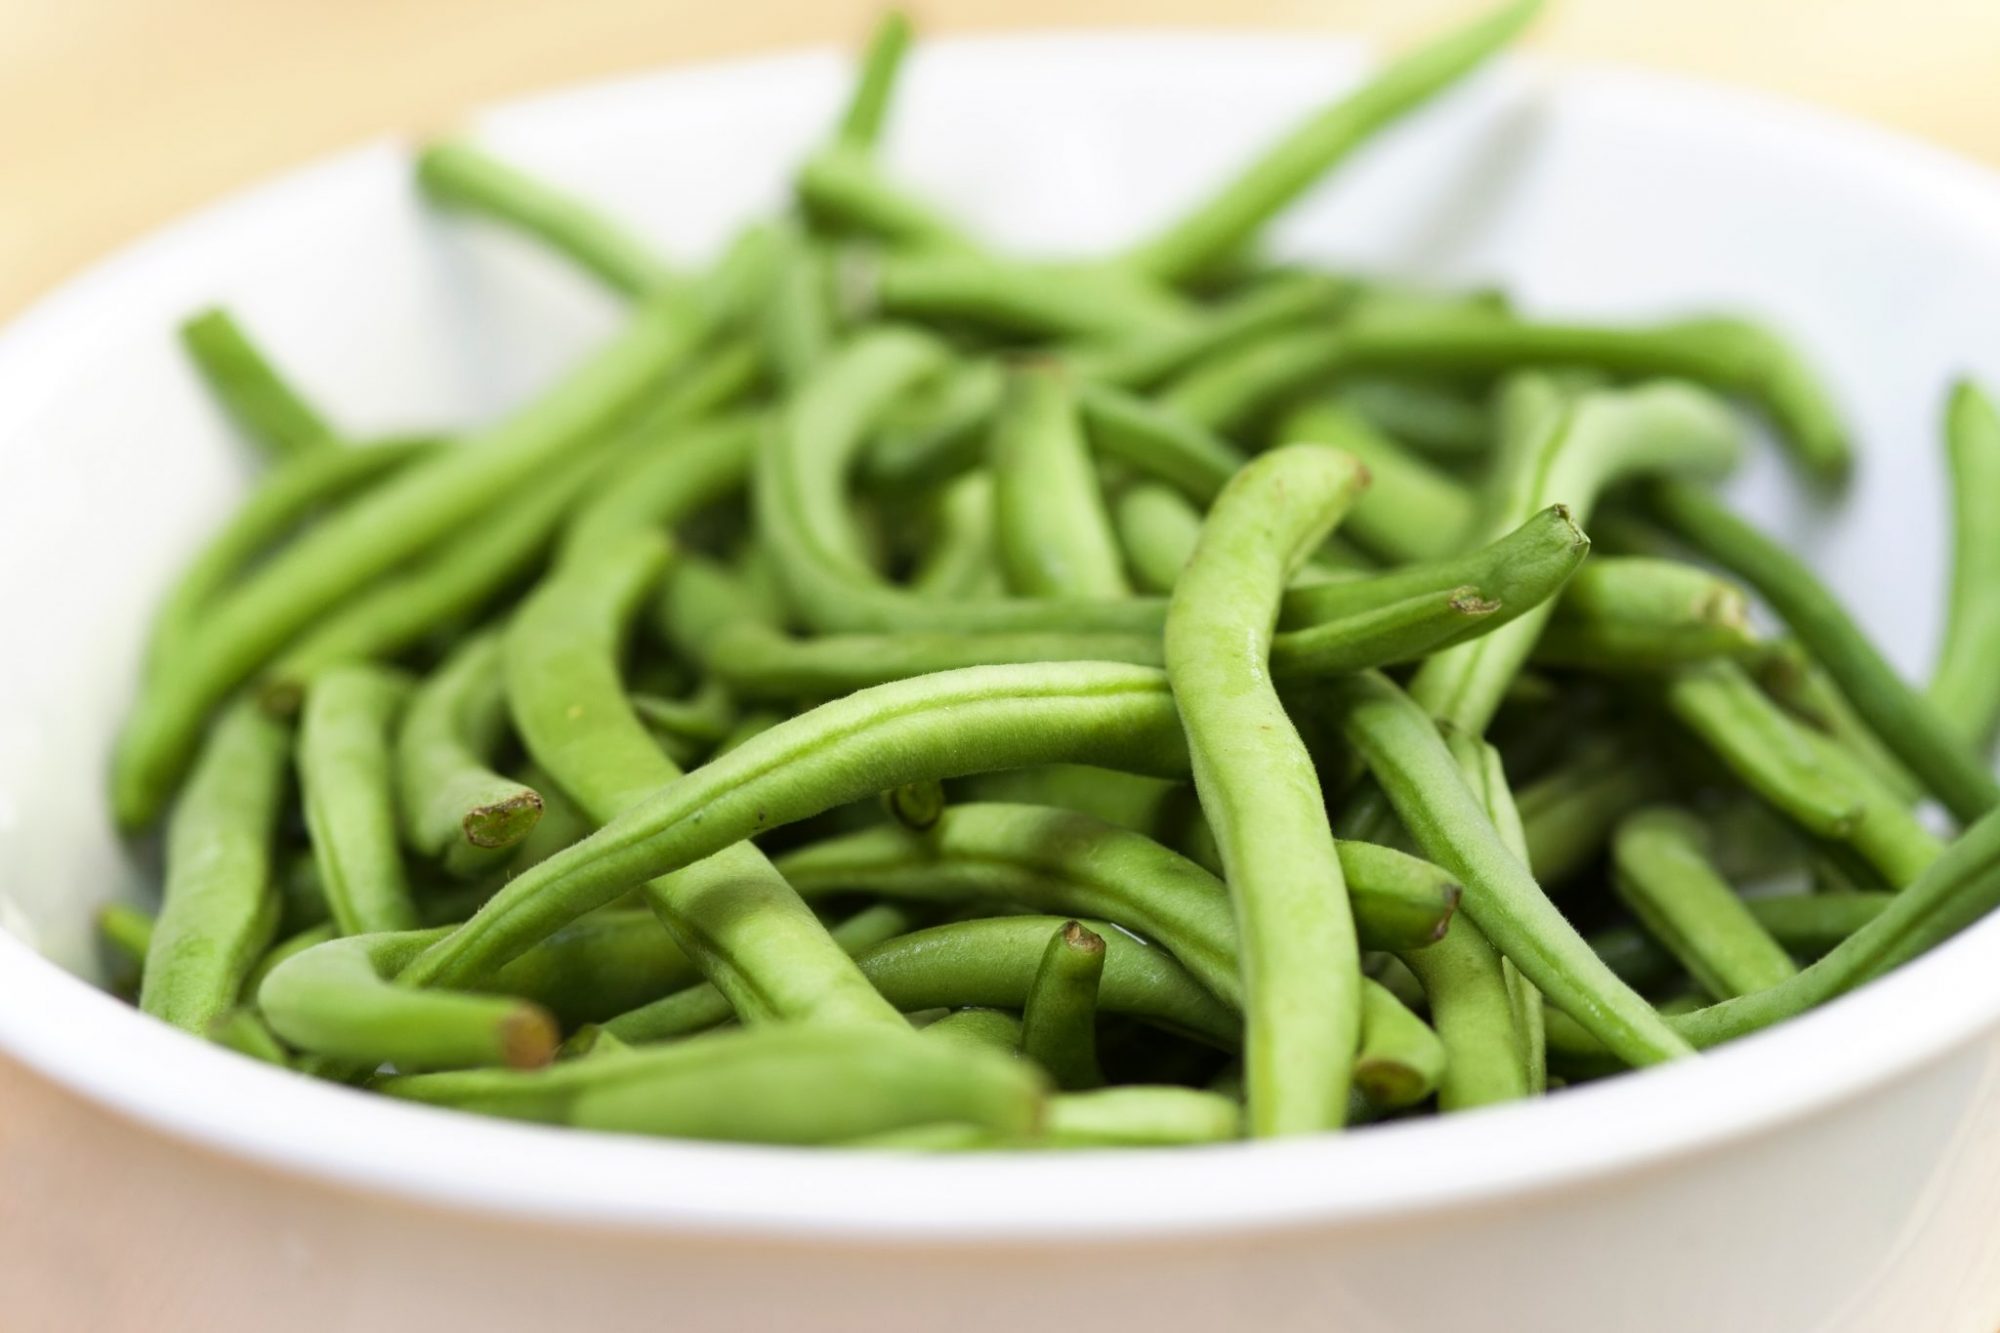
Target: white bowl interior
{"points": [[1593, 194]]}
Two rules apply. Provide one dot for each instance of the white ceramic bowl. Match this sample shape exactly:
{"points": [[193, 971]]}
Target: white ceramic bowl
{"points": [[1837, 1173]]}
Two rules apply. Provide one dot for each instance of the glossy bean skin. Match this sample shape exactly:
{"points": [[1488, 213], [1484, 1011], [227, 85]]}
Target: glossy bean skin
{"points": [[732, 913], [275, 416], [768, 1085], [347, 785], [218, 908], [364, 541], [1259, 789], [1059, 1015], [1403, 750], [1903, 718]]}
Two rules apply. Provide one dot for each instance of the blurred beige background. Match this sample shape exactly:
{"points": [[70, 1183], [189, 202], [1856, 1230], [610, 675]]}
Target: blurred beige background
{"points": [[120, 114]]}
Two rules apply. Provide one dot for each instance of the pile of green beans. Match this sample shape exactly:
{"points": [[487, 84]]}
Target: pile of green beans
{"points": [[902, 695]]}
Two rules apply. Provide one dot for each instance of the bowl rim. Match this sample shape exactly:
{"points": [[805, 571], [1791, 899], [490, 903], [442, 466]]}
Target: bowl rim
{"points": [[84, 1040]]}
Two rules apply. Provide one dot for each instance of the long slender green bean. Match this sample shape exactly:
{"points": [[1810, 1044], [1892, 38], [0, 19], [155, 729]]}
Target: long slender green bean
{"points": [[1638, 613], [1059, 1015], [1258, 787], [347, 785], [1152, 355], [1665, 877], [1964, 686], [1907, 722], [275, 416], [1157, 528], [1413, 510], [1473, 1015], [1486, 775], [995, 1029], [1220, 226], [1790, 675], [218, 908], [1140, 1116], [455, 808], [1401, 1061], [1082, 301], [842, 186], [875, 83], [1054, 535]]}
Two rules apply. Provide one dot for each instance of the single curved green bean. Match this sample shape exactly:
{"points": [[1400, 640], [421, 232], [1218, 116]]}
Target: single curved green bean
{"points": [[801, 517], [1055, 301], [875, 83], [368, 538], [1959, 887], [1137, 1115], [1486, 774], [1569, 454], [1059, 1015], [218, 907], [1259, 789], [1055, 860], [347, 786], [1157, 527], [1223, 224], [770, 1085], [687, 468], [960, 559], [758, 662], [285, 498], [1413, 510], [1145, 359], [1664, 875], [1053, 532], [732, 913], [1637, 613], [461, 176], [940, 726], [842, 187], [995, 1029], [271, 413], [1401, 1061], [1401, 747], [1964, 686], [693, 724], [456, 809], [1771, 753], [1156, 442], [1905, 721], [335, 1000]]}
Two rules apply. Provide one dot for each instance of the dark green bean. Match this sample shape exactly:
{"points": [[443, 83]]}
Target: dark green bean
{"points": [[1059, 1014], [346, 783], [1906, 722], [271, 413]]}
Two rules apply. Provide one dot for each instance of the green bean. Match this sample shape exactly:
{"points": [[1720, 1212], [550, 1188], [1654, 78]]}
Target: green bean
{"points": [[689, 468], [798, 320], [757, 662], [1154, 807], [938, 432], [733, 914], [1083, 301], [1157, 442], [335, 1000], [1637, 613], [1570, 455], [1568, 814], [1157, 528], [1059, 1014], [243, 1032], [842, 187], [1431, 417], [1959, 887], [1149, 356], [275, 417], [1964, 688], [1732, 357], [1486, 775], [1811, 924], [697, 723], [127, 934], [1789, 674], [1401, 1061], [346, 784], [1064, 861], [1237, 390], [960, 560], [455, 808], [1412, 510], [1140, 1116], [461, 176], [1259, 789], [773, 1085], [1664, 875], [1221, 226], [986, 963], [1886, 835], [1474, 1017], [994, 1029], [218, 909], [944, 1136], [1772, 755], [1905, 721], [290, 946], [291, 493], [868, 105], [1054, 535], [367, 539], [916, 806], [1401, 747]]}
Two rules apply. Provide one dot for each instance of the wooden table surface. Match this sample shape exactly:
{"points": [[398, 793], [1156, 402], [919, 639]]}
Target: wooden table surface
{"points": [[121, 114]]}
